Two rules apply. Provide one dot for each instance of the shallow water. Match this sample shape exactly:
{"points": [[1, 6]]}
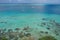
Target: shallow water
{"points": [[11, 19]]}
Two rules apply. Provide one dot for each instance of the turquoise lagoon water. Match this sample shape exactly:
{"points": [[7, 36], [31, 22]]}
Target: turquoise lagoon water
{"points": [[17, 16]]}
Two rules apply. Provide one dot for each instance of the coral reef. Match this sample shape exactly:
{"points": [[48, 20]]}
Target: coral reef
{"points": [[47, 38], [30, 33]]}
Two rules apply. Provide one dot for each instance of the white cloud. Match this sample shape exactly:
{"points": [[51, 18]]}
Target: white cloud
{"points": [[31, 1], [39, 1], [53, 1], [10, 0], [19, 0]]}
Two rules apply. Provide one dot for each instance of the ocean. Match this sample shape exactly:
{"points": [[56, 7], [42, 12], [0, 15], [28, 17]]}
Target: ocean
{"points": [[33, 15]]}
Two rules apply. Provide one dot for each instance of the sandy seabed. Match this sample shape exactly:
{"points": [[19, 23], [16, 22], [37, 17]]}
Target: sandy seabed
{"points": [[35, 25]]}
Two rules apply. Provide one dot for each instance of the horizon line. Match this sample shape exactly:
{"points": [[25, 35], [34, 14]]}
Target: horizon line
{"points": [[26, 3]]}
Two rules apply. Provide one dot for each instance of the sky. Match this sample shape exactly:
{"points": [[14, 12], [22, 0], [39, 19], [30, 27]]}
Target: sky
{"points": [[31, 1]]}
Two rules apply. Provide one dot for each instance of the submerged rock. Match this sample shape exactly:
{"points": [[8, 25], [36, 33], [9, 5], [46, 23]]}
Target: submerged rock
{"points": [[46, 32], [21, 34], [17, 29], [41, 31], [57, 24], [57, 34], [48, 28], [3, 22], [47, 38], [44, 19], [10, 30], [26, 28], [43, 23], [28, 34], [3, 38]]}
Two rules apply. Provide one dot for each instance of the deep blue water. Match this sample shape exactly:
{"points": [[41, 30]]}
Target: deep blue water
{"points": [[30, 8]]}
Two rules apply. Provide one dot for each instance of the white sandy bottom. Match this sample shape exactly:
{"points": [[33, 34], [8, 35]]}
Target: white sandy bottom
{"points": [[31, 20]]}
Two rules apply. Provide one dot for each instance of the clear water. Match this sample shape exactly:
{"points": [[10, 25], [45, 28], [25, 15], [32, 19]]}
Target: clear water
{"points": [[23, 15]]}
